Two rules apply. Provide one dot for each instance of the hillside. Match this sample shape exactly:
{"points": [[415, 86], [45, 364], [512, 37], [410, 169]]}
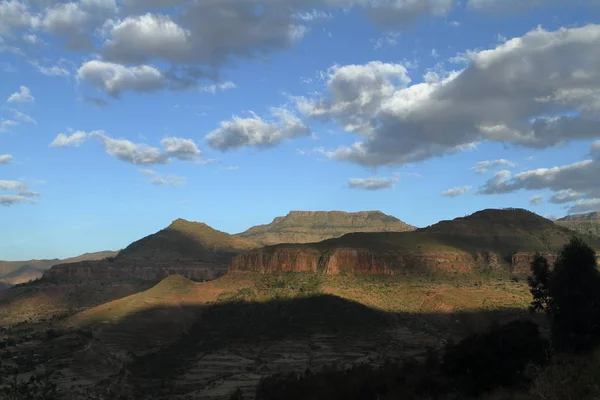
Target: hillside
{"points": [[496, 241], [185, 240], [33, 269], [586, 224], [315, 226], [205, 340]]}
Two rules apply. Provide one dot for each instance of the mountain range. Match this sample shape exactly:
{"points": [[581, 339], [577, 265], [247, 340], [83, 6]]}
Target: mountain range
{"points": [[587, 224], [131, 323]]}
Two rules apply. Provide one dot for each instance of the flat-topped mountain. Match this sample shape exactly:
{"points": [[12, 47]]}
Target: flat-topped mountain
{"points": [[587, 224], [502, 241], [315, 226], [185, 240]]}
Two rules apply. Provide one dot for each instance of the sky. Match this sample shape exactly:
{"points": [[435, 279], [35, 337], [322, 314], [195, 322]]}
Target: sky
{"points": [[118, 117]]}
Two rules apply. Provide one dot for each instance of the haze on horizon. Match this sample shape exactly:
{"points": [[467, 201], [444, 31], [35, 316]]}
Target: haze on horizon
{"points": [[118, 117]]}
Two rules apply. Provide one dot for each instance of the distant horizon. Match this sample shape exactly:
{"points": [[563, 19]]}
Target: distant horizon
{"points": [[264, 223]]}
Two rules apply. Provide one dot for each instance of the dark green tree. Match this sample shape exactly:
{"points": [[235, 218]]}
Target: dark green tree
{"points": [[570, 296], [539, 283]]}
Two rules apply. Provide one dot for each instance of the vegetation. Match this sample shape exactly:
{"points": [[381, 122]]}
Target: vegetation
{"points": [[570, 296]]}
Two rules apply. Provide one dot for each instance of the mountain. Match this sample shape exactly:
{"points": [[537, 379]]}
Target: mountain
{"points": [[185, 240], [192, 249], [10, 271], [496, 241], [587, 224], [315, 226]]}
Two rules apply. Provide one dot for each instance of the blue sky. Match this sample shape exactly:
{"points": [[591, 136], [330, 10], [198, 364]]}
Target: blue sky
{"points": [[118, 117]]}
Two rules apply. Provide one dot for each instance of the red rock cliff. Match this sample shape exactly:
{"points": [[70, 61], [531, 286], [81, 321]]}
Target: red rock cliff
{"points": [[357, 261]]}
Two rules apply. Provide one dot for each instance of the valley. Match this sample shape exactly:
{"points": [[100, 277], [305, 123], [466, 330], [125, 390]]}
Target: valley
{"points": [[192, 312]]}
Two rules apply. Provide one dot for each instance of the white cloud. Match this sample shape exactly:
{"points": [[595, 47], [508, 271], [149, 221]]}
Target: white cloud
{"points": [[6, 158], [537, 91], [74, 140], [456, 191], [5, 123], [125, 150], [372, 183], [313, 15], [158, 179], [22, 96], [566, 196], [214, 88], [484, 166], [536, 200], [135, 153], [182, 149], [23, 193], [256, 132], [8, 200], [585, 205], [116, 78]]}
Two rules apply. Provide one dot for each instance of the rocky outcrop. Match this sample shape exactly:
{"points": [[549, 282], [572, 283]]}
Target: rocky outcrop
{"points": [[315, 226], [105, 271], [360, 261]]}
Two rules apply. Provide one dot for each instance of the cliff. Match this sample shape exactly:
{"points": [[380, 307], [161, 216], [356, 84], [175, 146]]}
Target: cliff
{"points": [[585, 224], [105, 271], [315, 226], [497, 241]]}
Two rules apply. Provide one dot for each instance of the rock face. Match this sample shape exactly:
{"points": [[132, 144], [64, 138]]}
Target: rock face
{"points": [[585, 224], [131, 270], [496, 241], [315, 226]]}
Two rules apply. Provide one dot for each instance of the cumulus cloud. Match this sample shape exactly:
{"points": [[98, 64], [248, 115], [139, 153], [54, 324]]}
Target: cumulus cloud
{"points": [[256, 132], [12, 185], [74, 140], [538, 90], [484, 166], [456, 191], [372, 183], [182, 149], [566, 196], [22, 96], [158, 179], [536, 200], [136, 153], [578, 182], [6, 158], [115, 78], [585, 205]]}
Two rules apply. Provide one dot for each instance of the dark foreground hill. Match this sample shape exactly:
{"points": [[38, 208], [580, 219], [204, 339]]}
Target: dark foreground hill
{"points": [[315, 226], [491, 241], [182, 339], [586, 224]]}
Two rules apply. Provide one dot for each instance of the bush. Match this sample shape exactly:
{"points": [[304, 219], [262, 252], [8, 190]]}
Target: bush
{"points": [[485, 361]]}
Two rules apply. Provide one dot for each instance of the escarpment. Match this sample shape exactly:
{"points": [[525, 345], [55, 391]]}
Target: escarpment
{"points": [[501, 242]]}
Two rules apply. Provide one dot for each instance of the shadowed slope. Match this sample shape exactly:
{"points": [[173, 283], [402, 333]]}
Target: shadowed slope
{"points": [[185, 240]]}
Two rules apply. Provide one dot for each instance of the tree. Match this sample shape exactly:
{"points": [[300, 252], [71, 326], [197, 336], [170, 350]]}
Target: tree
{"points": [[570, 296], [539, 282]]}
